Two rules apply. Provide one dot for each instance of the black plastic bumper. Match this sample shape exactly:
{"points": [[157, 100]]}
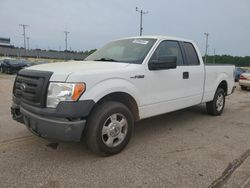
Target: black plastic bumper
{"points": [[65, 123], [53, 129]]}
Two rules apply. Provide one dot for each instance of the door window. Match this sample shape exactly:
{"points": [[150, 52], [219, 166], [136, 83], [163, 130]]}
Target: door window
{"points": [[168, 48]]}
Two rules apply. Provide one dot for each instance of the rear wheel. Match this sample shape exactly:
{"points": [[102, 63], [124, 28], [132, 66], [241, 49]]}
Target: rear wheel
{"points": [[243, 87], [216, 106], [109, 128]]}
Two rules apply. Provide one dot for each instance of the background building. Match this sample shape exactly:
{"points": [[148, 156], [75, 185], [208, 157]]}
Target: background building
{"points": [[5, 42]]}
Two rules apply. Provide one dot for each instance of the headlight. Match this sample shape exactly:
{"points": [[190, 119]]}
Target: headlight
{"points": [[64, 92]]}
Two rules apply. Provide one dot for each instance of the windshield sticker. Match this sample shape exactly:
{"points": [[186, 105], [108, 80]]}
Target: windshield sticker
{"points": [[137, 41]]}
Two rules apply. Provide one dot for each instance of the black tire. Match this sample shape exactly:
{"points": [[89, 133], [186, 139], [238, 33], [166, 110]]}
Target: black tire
{"points": [[243, 87], [3, 70], [8, 71], [216, 106], [100, 120]]}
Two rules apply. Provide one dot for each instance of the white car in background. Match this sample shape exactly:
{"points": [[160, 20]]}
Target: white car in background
{"points": [[245, 80]]}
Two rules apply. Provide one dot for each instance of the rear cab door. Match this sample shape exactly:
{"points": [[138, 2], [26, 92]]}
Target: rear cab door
{"points": [[194, 70], [173, 89]]}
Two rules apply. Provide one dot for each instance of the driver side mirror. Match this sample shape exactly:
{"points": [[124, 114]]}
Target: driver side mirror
{"points": [[165, 62]]}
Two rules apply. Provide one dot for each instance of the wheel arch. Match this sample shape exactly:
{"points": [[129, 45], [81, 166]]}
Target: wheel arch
{"points": [[123, 98], [223, 85]]}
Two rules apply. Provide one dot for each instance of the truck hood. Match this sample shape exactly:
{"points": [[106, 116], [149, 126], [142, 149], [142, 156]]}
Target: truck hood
{"points": [[62, 70]]}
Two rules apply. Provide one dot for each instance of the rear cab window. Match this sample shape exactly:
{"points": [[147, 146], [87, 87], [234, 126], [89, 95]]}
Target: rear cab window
{"points": [[191, 54]]}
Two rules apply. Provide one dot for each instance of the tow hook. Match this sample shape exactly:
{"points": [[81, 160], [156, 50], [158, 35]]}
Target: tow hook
{"points": [[16, 115]]}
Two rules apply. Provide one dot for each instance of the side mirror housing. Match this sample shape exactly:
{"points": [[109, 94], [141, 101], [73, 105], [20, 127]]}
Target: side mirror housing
{"points": [[167, 62]]}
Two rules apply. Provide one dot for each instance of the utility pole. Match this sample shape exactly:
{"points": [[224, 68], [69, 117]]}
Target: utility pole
{"points": [[66, 43], [66, 39], [214, 56], [141, 14], [24, 26], [206, 34], [28, 43]]}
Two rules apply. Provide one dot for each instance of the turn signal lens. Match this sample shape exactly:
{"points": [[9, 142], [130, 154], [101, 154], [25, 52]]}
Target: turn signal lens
{"points": [[78, 91]]}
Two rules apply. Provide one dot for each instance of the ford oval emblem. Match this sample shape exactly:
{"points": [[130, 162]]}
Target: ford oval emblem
{"points": [[23, 87]]}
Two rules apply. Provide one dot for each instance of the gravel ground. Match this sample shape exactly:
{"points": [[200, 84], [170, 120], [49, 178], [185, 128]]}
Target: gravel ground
{"points": [[187, 148]]}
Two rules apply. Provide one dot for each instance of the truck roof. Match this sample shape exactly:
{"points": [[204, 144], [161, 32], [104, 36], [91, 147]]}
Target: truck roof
{"points": [[159, 37]]}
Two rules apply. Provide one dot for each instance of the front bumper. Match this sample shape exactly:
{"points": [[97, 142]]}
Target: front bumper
{"points": [[55, 125], [53, 129]]}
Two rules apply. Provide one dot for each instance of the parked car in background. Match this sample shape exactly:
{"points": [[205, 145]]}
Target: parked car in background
{"points": [[37, 63], [244, 80], [12, 65], [237, 72]]}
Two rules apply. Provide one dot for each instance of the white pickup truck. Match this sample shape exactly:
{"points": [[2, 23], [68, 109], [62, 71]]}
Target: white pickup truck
{"points": [[127, 80]]}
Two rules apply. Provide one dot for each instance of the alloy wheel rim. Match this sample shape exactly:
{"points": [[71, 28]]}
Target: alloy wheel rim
{"points": [[114, 130], [220, 102]]}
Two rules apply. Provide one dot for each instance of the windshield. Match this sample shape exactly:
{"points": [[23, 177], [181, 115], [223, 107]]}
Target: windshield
{"points": [[126, 50]]}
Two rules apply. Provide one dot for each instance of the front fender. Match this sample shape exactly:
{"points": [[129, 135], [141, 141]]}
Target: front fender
{"points": [[108, 86]]}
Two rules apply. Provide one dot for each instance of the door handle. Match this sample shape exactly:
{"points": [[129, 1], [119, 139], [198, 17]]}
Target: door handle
{"points": [[185, 75]]}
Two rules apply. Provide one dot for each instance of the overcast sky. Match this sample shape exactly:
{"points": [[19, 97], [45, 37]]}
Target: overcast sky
{"points": [[92, 23]]}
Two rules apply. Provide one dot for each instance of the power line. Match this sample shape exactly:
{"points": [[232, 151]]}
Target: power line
{"points": [[24, 26], [207, 35], [141, 14]]}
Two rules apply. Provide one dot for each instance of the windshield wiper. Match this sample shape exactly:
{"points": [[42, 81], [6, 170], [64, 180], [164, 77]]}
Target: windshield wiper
{"points": [[106, 59]]}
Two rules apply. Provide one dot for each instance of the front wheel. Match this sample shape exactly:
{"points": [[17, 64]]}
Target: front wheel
{"points": [[2, 70], [8, 70], [109, 128], [216, 106]]}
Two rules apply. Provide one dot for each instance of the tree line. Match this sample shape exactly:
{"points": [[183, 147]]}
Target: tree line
{"points": [[227, 59], [238, 61]]}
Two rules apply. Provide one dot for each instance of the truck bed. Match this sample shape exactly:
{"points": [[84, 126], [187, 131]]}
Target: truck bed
{"points": [[214, 73]]}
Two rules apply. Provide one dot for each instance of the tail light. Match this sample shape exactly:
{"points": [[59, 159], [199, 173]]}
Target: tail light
{"points": [[242, 77]]}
